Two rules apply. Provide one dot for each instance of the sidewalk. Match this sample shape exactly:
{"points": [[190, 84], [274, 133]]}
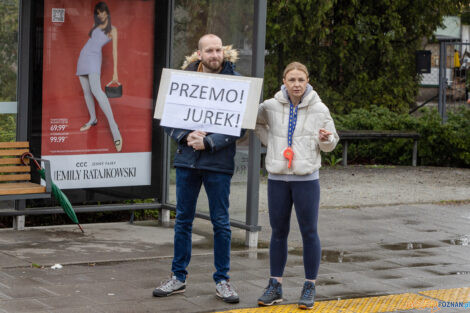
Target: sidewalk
{"points": [[368, 250]]}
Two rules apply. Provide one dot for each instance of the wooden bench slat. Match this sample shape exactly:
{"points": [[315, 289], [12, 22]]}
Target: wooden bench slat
{"points": [[14, 177], [13, 152], [13, 161], [21, 188], [15, 169], [17, 144]]}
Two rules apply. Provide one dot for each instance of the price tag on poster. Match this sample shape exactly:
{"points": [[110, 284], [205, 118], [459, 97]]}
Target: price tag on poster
{"points": [[209, 102]]}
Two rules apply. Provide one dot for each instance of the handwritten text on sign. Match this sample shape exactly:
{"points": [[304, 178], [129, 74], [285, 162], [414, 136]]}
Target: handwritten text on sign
{"points": [[210, 104]]}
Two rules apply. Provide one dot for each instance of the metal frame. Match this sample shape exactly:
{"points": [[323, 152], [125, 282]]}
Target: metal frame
{"points": [[346, 136], [84, 209], [443, 75], [25, 71], [23, 87], [254, 156], [205, 216], [254, 150], [25, 91]]}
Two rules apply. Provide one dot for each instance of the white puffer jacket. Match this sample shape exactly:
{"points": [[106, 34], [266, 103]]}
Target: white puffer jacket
{"points": [[272, 125]]}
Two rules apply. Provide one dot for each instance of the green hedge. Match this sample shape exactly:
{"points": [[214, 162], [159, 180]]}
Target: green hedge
{"points": [[440, 144], [7, 127]]}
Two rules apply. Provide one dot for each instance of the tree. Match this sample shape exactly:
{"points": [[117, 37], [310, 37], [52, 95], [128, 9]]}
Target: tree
{"points": [[359, 52], [193, 18], [8, 49], [8, 64]]}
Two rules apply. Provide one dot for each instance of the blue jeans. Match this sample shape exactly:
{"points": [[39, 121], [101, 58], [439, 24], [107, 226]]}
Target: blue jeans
{"points": [[188, 185]]}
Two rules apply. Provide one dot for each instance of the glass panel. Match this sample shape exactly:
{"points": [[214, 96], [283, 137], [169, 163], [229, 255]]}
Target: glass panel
{"points": [[232, 21], [8, 68]]}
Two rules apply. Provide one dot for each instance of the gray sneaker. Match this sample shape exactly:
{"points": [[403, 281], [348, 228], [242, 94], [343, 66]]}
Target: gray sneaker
{"points": [[272, 294], [226, 292], [307, 298], [169, 287]]}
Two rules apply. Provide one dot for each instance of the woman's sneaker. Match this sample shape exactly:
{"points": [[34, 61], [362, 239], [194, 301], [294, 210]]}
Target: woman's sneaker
{"points": [[225, 291], [169, 287], [307, 298], [272, 294]]}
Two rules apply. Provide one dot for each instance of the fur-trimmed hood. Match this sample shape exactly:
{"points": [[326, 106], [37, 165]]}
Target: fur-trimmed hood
{"points": [[230, 55]]}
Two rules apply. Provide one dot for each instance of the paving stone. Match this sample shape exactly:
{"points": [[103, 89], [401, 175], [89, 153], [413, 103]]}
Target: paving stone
{"points": [[175, 303], [11, 261], [83, 309], [22, 305], [64, 302], [118, 282], [131, 307], [23, 292]]}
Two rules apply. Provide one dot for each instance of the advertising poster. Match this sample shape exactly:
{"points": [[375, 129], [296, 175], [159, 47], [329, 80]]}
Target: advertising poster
{"points": [[97, 92]]}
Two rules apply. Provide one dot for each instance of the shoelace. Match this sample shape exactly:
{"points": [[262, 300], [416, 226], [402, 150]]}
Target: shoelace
{"points": [[270, 290], [226, 288], [167, 284], [307, 292]]}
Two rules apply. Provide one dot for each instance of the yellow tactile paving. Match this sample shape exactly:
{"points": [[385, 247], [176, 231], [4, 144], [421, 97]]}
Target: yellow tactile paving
{"points": [[456, 294], [392, 303]]}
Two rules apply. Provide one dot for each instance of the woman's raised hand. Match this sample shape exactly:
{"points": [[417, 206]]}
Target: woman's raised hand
{"points": [[324, 134]]}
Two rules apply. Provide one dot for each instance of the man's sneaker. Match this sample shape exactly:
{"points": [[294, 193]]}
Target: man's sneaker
{"points": [[272, 294], [307, 298], [169, 287], [226, 292]]}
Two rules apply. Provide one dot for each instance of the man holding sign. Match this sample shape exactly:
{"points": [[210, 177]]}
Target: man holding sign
{"points": [[203, 158]]}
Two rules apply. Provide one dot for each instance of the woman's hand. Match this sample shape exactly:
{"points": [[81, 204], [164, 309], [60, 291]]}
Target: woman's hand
{"points": [[324, 134]]}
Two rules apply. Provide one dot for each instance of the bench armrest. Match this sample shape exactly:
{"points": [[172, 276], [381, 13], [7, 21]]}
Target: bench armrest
{"points": [[47, 172]]}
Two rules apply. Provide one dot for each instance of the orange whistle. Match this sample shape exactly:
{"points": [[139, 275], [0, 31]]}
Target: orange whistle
{"points": [[289, 154]]}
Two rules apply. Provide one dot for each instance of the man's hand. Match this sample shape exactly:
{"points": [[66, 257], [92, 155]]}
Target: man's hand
{"points": [[324, 134], [195, 139]]}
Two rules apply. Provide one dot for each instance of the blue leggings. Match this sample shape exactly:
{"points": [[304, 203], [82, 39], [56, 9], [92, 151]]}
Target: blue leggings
{"points": [[305, 195]]}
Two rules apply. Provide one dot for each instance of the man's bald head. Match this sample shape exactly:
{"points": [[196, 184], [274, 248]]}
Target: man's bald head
{"points": [[207, 37]]}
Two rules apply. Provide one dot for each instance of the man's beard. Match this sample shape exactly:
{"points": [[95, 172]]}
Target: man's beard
{"points": [[211, 66]]}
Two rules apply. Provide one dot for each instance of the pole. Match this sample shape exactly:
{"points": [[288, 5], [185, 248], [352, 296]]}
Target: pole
{"points": [[23, 88], [254, 158]]}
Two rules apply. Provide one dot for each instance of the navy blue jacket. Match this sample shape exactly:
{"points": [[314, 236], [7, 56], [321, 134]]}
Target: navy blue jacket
{"points": [[220, 149]]}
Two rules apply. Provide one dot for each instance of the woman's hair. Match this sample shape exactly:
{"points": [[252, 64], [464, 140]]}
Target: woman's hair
{"points": [[295, 66], [101, 7]]}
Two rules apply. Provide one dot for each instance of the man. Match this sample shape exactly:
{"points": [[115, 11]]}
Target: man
{"points": [[203, 158]]}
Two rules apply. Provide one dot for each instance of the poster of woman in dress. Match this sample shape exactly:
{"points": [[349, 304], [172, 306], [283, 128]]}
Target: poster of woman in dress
{"points": [[97, 92]]}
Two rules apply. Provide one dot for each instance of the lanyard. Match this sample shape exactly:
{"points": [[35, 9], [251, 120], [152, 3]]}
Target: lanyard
{"points": [[292, 122]]}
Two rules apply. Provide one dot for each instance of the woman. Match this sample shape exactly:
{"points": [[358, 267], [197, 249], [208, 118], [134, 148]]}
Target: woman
{"points": [[294, 125], [89, 70]]}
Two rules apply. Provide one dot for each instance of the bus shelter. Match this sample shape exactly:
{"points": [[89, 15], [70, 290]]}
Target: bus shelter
{"points": [[123, 161]]}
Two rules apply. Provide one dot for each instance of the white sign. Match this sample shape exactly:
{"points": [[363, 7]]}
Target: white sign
{"points": [[209, 102], [100, 170]]}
